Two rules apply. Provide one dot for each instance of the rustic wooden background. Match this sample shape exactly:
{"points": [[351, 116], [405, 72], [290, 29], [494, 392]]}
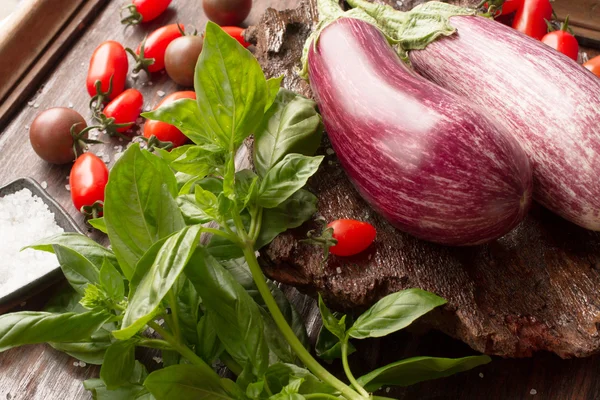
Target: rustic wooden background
{"points": [[39, 372]]}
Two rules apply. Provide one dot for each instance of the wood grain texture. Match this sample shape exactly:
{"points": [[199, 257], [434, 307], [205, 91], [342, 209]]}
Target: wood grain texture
{"points": [[584, 18], [39, 372]]}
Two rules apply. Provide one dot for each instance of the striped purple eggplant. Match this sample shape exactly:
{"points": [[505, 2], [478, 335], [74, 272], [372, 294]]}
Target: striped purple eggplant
{"points": [[546, 100], [549, 102], [429, 161]]}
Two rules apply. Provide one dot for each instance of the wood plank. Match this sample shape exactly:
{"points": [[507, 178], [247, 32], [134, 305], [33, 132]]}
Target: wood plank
{"points": [[25, 81]]}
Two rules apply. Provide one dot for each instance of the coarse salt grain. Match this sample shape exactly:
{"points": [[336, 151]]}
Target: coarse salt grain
{"points": [[24, 219], [533, 392], [44, 185], [68, 187], [481, 374], [160, 93]]}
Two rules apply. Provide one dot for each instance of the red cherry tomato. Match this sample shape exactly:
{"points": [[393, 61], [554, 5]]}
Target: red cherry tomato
{"points": [[508, 6], [167, 132], [145, 10], [88, 179], [156, 45], [353, 236], [563, 41], [594, 65], [531, 18], [125, 108], [236, 33], [108, 60]]}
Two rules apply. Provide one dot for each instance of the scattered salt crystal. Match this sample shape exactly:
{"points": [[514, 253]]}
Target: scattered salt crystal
{"points": [[150, 83], [82, 364], [30, 103], [481, 374], [161, 321], [120, 139], [150, 331], [147, 108], [117, 156], [338, 270], [100, 154], [70, 105], [118, 148], [329, 151], [68, 187], [24, 219], [76, 363], [158, 360], [387, 389], [26, 128], [36, 105], [533, 392], [139, 120], [257, 253], [44, 185], [160, 93]]}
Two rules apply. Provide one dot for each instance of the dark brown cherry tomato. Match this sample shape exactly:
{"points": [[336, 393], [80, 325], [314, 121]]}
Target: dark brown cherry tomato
{"points": [[88, 179], [227, 12], [109, 60], [123, 110], [563, 41], [144, 11], [594, 65], [353, 237], [237, 33], [155, 46], [181, 58], [50, 134], [166, 132], [532, 16]]}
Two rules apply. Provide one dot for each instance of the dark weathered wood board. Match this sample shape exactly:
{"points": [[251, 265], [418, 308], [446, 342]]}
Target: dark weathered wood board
{"points": [[39, 372], [533, 290]]}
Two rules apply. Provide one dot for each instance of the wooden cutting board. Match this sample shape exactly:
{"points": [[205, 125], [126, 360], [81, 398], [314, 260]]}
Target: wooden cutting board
{"points": [[535, 289]]}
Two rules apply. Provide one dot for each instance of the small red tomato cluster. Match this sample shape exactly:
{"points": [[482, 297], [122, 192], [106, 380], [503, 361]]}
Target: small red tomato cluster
{"points": [[533, 18], [59, 135]]}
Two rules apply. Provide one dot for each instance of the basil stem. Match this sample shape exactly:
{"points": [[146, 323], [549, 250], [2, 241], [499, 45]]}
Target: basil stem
{"points": [[347, 370]]}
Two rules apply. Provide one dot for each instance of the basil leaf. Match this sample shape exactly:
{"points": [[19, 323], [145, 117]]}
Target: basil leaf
{"points": [[394, 312], [64, 301], [184, 382], [328, 346], [90, 351], [292, 316], [191, 211], [208, 202], [331, 322], [119, 361], [209, 346], [231, 89], [286, 178], [280, 350], [233, 389], [273, 86], [229, 179], [246, 188], [140, 208], [278, 376], [188, 304], [31, 327], [130, 391], [154, 285], [233, 313], [112, 281], [418, 369], [290, 391], [255, 390], [288, 215], [186, 116], [291, 213], [98, 223], [80, 258], [292, 125], [191, 160]]}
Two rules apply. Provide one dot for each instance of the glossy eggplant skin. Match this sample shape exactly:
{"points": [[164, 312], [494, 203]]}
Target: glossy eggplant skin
{"points": [[427, 160], [546, 100]]}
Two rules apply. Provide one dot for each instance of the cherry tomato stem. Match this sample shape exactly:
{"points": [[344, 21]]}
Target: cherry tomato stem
{"points": [[121, 113], [150, 54]]}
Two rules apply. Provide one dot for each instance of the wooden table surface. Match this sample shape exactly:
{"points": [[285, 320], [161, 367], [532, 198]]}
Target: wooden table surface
{"points": [[39, 372]]}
